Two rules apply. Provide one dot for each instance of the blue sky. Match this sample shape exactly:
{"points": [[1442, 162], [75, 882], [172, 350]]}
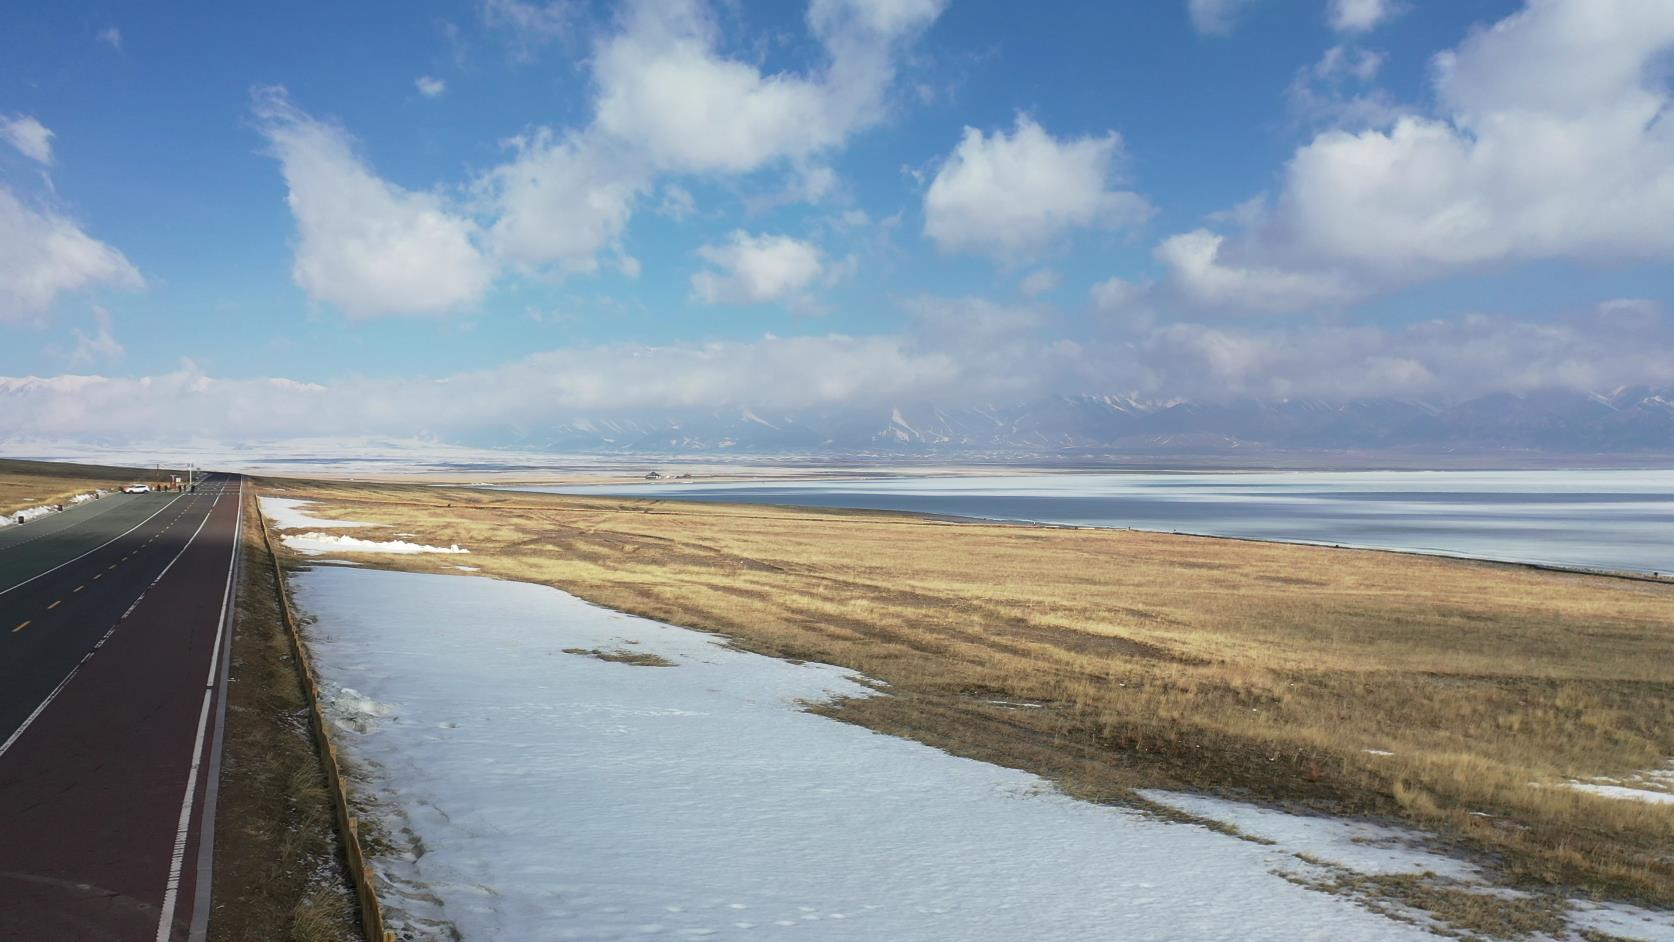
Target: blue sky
{"points": [[546, 202]]}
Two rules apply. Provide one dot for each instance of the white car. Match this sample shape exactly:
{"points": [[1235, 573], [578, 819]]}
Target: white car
{"points": [[137, 489]]}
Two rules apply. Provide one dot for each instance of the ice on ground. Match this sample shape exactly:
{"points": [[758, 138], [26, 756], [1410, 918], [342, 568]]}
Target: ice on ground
{"points": [[1360, 846], [1653, 785], [315, 544], [288, 513], [537, 795], [1623, 791], [468, 568], [1621, 921]]}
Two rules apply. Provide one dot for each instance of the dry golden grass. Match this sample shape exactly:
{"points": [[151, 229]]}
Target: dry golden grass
{"points": [[278, 873], [1110, 660], [25, 484]]}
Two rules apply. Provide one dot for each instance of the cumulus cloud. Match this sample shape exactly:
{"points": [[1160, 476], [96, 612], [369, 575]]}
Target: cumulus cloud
{"points": [[669, 101], [1359, 16], [365, 244], [664, 87], [620, 379], [429, 86], [958, 351], [563, 200], [1208, 280], [1435, 360], [531, 24], [1215, 17], [758, 269], [1012, 195], [31, 138], [44, 254], [100, 346], [1040, 281], [1573, 160]]}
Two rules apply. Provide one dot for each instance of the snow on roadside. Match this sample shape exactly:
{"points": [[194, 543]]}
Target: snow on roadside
{"points": [[289, 513], [35, 513], [533, 793], [315, 544]]}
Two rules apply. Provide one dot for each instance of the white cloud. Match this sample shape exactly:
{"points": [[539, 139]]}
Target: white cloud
{"points": [[112, 37], [1573, 160], [100, 346], [532, 24], [1195, 263], [1214, 17], [1337, 90], [758, 269], [364, 244], [1123, 303], [429, 86], [563, 200], [677, 202], [1039, 282], [959, 351], [1010, 196], [29, 136], [668, 101], [1359, 16], [665, 89], [536, 391], [44, 254]]}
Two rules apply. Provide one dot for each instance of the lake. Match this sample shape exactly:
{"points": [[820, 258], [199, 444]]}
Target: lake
{"points": [[1609, 519]]}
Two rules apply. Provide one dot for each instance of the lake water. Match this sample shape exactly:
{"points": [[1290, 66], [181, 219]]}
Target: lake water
{"points": [[1616, 520]]}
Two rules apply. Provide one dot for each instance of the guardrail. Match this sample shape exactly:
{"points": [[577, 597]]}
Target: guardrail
{"points": [[348, 826]]}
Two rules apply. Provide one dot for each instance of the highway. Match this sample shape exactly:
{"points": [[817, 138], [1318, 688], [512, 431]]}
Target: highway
{"points": [[115, 622]]}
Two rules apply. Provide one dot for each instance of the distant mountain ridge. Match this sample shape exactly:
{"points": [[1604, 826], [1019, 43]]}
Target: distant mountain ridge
{"points": [[1633, 420]]}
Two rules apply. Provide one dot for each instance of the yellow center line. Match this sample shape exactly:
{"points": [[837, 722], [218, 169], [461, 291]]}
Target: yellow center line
{"points": [[54, 605], [20, 627]]}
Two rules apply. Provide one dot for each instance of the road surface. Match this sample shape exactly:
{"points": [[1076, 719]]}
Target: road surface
{"points": [[115, 621]]}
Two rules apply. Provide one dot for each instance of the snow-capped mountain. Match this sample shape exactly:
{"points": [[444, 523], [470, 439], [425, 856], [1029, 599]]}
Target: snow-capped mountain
{"points": [[1631, 420]]}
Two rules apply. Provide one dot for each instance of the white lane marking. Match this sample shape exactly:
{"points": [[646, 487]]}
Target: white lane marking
{"points": [[199, 930], [164, 923], [94, 549], [96, 646], [171, 891]]}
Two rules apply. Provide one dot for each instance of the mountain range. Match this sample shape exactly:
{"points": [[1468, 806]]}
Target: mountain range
{"points": [[1626, 421]]}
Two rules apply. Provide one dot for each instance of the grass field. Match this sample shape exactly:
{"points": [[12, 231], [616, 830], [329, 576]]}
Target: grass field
{"points": [[25, 484], [1454, 695]]}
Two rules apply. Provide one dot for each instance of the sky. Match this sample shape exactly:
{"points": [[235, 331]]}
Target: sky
{"points": [[429, 217]]}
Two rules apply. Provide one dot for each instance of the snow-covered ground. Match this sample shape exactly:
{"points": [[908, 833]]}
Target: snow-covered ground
{"points": [[1653, 785], [318, 544], [537, 794], [35, 513], [290, 514]]}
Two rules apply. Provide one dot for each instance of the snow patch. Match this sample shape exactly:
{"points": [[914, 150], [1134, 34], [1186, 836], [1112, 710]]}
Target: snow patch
{"points": [[315, 544], [35, 513], [1655, 786], [291, 514], [1356, 845], [558, 797]]}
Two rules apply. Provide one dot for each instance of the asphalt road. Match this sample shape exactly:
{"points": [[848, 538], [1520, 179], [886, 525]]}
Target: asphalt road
{"points": [[114, 626]]}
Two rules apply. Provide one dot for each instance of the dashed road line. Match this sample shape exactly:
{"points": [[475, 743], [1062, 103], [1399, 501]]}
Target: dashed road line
{"points": [[21, 627]]}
